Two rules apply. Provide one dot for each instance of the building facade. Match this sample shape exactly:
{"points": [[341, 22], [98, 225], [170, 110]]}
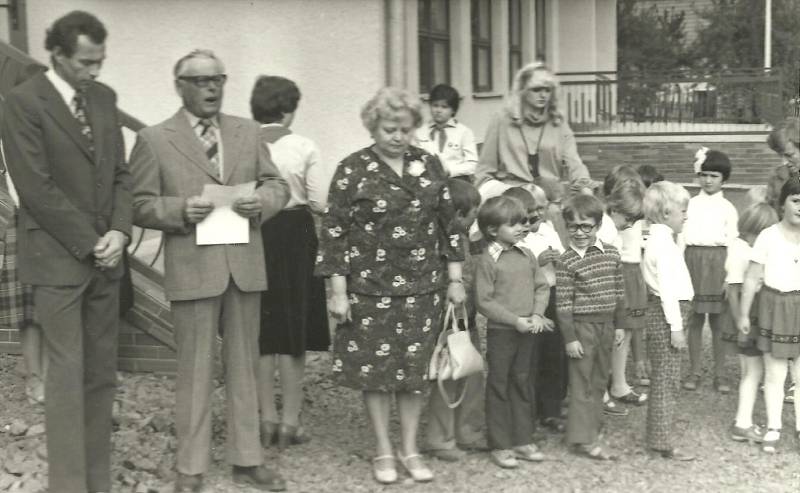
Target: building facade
{"points": [[338, 51]]}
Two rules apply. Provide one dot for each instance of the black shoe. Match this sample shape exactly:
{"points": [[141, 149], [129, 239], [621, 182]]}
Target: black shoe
{"points": [[188, 483], [259, 477], [674, 454]]}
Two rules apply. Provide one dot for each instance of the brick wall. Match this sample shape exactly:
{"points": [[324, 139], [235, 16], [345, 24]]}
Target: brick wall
{"points": [[751, 161]]}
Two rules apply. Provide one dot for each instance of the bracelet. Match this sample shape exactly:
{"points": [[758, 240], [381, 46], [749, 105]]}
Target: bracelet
{"points": [[459, 281]]}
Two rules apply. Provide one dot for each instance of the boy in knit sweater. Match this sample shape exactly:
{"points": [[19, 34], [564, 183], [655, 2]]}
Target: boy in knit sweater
{"points": [[589, 298], [512, 293]]}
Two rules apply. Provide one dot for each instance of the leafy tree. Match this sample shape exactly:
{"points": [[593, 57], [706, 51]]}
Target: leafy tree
{"points": [[732, 36], [649, 40]]}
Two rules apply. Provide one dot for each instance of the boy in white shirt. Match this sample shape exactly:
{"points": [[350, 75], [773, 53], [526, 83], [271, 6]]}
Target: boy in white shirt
{"points": [[670, 293], [452, 141]]}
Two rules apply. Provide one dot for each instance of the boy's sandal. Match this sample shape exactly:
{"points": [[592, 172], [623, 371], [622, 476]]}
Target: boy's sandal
{"points": [[594, 451], [771, 440], [788, 396], [554, 424], [632, 397], [384, 470]]}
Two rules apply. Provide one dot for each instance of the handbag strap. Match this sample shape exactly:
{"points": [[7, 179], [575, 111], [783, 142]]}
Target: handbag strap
{"points": [[446, 398]]}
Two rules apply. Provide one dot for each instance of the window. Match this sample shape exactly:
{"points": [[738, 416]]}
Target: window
{"points": [[434, 43], [541, 31], [514, 37], [481, 45]]}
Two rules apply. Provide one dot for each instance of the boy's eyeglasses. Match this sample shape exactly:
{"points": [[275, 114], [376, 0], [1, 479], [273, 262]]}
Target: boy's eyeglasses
{"points": [[585, 228], [532, 219]]}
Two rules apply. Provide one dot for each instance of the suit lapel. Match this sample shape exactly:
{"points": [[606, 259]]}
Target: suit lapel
{"points": [[57, 108], [182, 137], [231, 145]]}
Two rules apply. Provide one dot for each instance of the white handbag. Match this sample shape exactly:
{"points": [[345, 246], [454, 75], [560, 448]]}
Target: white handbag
{"points": [[454, 356]]}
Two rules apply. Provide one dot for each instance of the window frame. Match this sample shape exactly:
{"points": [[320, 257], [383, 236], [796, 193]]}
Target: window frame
{"points": [[479, 43], [429, 38], [515, 50]]}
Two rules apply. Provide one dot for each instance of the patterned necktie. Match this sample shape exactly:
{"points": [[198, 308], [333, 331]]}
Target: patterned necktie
{"points": [[209, 139], [79, 105], [442, 136]]}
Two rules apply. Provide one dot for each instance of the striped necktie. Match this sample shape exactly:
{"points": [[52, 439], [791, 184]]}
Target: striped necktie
{"points": [[442, 136], [79, 105], [208, 137]]}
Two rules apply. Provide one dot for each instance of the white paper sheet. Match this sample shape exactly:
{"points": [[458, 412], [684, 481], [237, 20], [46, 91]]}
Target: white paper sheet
{"points": [[223, 226]]}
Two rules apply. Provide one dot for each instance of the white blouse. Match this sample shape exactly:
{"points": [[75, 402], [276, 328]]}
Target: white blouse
{"points": [[780, 258], [666, 274], [712, 221], [298, 160], [607, 233], [632, 244], [546, 237], [739, 254]]}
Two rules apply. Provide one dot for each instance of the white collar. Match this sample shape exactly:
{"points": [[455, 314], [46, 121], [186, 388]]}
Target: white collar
{"points": [[449, 123], [495, 249], [582, 251], [62, 87], [708, 196]]}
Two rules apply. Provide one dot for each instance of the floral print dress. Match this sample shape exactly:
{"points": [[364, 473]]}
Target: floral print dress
{"points": [[391, 236]]}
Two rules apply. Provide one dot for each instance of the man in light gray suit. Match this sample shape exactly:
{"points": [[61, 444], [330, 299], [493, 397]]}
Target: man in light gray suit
{"points": [[211, 287]]}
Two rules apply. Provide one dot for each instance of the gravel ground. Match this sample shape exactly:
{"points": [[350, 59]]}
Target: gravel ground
{"points": [[337, 459]]}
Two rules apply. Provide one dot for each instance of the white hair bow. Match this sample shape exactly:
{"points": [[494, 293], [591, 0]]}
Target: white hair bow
{"points": [[700, 158]]}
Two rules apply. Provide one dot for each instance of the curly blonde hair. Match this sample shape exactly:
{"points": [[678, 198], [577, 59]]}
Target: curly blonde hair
{"points": [[514, 102], [387, 103]]}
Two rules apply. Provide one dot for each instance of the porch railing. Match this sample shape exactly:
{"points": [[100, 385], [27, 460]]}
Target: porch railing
{"points": [[678, 102]]}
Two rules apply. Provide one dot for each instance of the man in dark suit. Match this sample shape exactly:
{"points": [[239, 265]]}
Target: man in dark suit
{"points": [[65, 153], [211, 288]]}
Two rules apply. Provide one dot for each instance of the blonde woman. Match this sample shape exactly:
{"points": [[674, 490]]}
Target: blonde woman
{"points": [[529, 138]]}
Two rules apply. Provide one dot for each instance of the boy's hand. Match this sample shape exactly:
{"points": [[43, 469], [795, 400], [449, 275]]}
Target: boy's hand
{"points": [[548, 256], [678, 339], [575, 349], [537, 324], [619, 337], [524, 325]]}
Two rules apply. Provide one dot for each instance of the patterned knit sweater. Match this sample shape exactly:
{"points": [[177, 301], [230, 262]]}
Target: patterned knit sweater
{"points": [[588, 287]]}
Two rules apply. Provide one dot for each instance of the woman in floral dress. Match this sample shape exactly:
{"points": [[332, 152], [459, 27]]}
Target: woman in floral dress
{"points": [[394, 261]]}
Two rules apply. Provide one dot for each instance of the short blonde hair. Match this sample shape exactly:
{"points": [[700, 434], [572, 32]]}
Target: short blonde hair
{"points": [[387, 103], [662, 198], [757, 194], [757, 218], [626, 198], [537, 192]]}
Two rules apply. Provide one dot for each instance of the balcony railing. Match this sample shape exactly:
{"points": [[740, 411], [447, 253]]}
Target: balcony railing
{"points": [[731, 102]]}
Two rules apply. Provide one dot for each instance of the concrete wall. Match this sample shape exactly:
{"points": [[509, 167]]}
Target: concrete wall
{"points": [[333, 49]]}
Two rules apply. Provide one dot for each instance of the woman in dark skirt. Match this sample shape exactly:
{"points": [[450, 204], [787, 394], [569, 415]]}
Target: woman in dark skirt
{"points": [[293, 315], [389, 245]]}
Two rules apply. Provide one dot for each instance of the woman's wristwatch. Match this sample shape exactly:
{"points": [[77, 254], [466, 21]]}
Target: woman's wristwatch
{"points": [[459, 281]]}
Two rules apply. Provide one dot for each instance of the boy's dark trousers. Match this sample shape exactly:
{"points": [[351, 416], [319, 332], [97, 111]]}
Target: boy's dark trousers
{"points": [[549, 364], [508, 388], [588, 377]]}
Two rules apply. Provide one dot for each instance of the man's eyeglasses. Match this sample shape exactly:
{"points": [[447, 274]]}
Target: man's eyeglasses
{"points": [[205, 80], [585, 228]]}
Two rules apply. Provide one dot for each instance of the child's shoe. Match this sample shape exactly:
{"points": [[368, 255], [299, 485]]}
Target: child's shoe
{"points": [[788, 396], [612, 409], [752, 434], [384, 470], [721, 386], [415, 468], [529, 452], [447, 454], [504, 458], [770, 441], [692, 382]]}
